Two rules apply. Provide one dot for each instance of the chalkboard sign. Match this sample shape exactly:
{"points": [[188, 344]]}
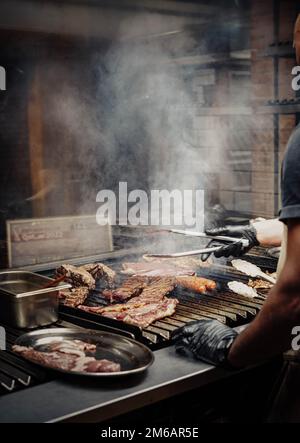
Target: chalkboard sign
{"points": [[44, 240]]}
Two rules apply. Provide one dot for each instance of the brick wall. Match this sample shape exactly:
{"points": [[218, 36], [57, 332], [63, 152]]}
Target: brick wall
{"points": [[265, 184], [248, 177]]}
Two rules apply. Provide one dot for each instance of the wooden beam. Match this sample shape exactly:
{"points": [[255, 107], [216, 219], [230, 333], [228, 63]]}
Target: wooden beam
{"points": [[35, 139]]}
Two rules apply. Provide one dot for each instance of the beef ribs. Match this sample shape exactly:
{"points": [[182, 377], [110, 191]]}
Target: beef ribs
{"points": [[75, 296], [152, 304], [76, 276], [99, 271], [157, 289], [137, 312], [132, 287]]}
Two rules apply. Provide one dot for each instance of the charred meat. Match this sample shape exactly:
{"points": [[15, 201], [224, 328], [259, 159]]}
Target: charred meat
{"points": [[152, 304], [260, 284], [132, 287], [75, 296], [76, 276], [137, 312], [99, 271]]}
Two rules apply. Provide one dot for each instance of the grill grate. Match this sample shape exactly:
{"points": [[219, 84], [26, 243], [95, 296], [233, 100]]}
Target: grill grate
{"points": [[16, 373], [221, 305]]}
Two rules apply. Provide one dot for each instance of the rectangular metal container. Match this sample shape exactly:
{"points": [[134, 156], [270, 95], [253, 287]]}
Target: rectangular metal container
{"points": [[24, 300]]}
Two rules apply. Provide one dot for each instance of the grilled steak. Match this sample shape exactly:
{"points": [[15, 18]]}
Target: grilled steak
{"points": [[137, 313], [153, 269], [76, 276], [68, 361], [99, 271], [130, 288], [144, 309], [75, 296], [157, 289]]}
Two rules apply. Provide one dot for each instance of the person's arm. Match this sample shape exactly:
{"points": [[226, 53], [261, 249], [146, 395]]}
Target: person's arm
{"points": [[270, 333], [269, 233], [266, 233]]}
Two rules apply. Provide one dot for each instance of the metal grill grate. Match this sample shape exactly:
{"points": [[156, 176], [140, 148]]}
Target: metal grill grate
{"points": [[221, 305]]}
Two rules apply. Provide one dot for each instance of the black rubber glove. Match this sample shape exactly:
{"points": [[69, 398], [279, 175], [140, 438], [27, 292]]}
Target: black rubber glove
{"points": [[237, 249], [207, 340]]}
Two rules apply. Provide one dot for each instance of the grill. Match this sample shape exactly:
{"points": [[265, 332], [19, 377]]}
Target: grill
{"points": [[221, 305], [16, 373]]}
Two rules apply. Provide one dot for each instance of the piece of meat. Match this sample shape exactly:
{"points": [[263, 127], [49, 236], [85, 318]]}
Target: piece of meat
{"points": [[57, 360], [197, 284], [75, 296], [145, 288], [132, 287], [72, 346], [145, 315], [144, 309], [103, 366], [68, 361], [153, 269], [76, 276], [260, 284], [157, 289], [138, 313], [99, 271]]}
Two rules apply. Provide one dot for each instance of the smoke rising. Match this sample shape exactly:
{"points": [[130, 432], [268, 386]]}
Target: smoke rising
{"points": [[131, 114]]}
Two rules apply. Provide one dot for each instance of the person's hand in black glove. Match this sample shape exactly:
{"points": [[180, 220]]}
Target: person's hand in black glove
{"points": [[207, 340], [236, 249]]}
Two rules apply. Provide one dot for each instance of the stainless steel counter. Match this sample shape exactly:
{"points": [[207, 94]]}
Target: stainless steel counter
{"points": [[84, 400]]}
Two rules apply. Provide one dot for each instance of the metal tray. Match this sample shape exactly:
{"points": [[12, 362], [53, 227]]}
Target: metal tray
{"points": [[19, 284], [133, 356], [24, 300]]}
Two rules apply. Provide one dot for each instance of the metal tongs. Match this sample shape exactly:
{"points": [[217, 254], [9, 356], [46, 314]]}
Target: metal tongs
{"points": [[198, 251]]}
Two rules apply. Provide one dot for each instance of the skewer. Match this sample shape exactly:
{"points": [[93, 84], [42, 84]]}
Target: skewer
{"points": [[61, 278], [54, 282]]}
